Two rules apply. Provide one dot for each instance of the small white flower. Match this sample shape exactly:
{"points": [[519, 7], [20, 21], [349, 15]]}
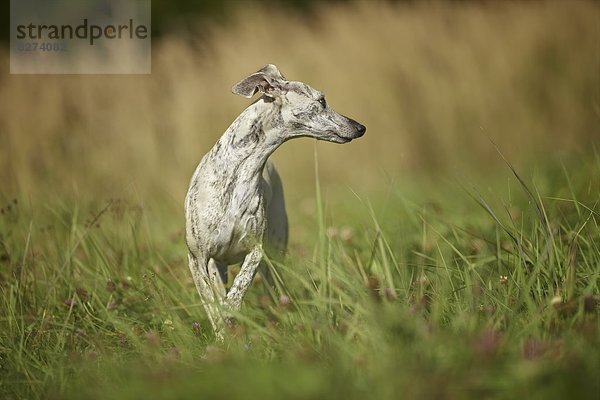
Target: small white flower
{"points": [[556, 300]]}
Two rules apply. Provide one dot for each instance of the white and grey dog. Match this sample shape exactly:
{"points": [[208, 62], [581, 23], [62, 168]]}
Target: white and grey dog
{"points": [[235, 200]]}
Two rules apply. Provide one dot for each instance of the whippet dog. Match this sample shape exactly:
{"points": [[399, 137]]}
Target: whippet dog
{"points": [[235, 200]]}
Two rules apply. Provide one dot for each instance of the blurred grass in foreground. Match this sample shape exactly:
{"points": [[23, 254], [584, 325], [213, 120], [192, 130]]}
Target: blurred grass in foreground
{"points": [[398, 281], [416, 294]]}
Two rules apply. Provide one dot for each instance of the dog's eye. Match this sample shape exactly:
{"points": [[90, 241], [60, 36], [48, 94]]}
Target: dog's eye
{"points": [[323, 102]]}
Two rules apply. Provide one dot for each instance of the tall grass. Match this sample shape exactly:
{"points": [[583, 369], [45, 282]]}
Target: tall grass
{"points": [[399, 282], [423, 77], [413, 296]]}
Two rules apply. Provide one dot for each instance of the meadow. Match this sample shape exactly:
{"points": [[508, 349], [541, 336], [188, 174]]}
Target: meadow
{"points": [[452, 252]]}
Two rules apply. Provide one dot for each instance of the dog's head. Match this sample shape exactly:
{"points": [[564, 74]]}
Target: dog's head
{"points": [[301, 110]]}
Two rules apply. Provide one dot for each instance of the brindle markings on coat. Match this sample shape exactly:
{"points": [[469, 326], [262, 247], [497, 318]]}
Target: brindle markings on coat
{"points": [[235, 201]]}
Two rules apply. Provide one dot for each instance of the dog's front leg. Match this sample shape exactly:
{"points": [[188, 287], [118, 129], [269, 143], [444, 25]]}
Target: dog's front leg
{"points": [[244, 278], [215, 279], [198, 267]]}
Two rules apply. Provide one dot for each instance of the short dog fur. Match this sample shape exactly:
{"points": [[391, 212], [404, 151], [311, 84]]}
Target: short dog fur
{"points": [[235, 202]]}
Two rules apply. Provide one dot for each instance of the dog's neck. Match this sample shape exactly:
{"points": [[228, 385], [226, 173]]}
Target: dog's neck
{"points": [[242, 151]]}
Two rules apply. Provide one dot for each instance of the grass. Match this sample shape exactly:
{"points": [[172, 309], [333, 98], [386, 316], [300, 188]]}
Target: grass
{"points": [[415, 73], [400, 282], [415, 293]]}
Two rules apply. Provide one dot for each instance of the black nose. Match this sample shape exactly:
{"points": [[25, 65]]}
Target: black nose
{"points": [[360, 129]]}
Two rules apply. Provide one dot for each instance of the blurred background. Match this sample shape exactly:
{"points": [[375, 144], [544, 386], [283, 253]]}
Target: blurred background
{"points": [[432, 81]]}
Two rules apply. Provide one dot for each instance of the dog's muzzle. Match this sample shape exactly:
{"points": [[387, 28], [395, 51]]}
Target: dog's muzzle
{"points": [[352, 129], [360, 128]]}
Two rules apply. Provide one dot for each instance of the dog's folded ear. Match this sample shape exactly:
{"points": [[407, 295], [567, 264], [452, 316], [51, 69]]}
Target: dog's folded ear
{"points": [[267, 80]]}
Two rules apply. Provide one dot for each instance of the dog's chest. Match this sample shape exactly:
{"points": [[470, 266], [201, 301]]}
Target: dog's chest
{"points": [[241, 226], [227, 200]]}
